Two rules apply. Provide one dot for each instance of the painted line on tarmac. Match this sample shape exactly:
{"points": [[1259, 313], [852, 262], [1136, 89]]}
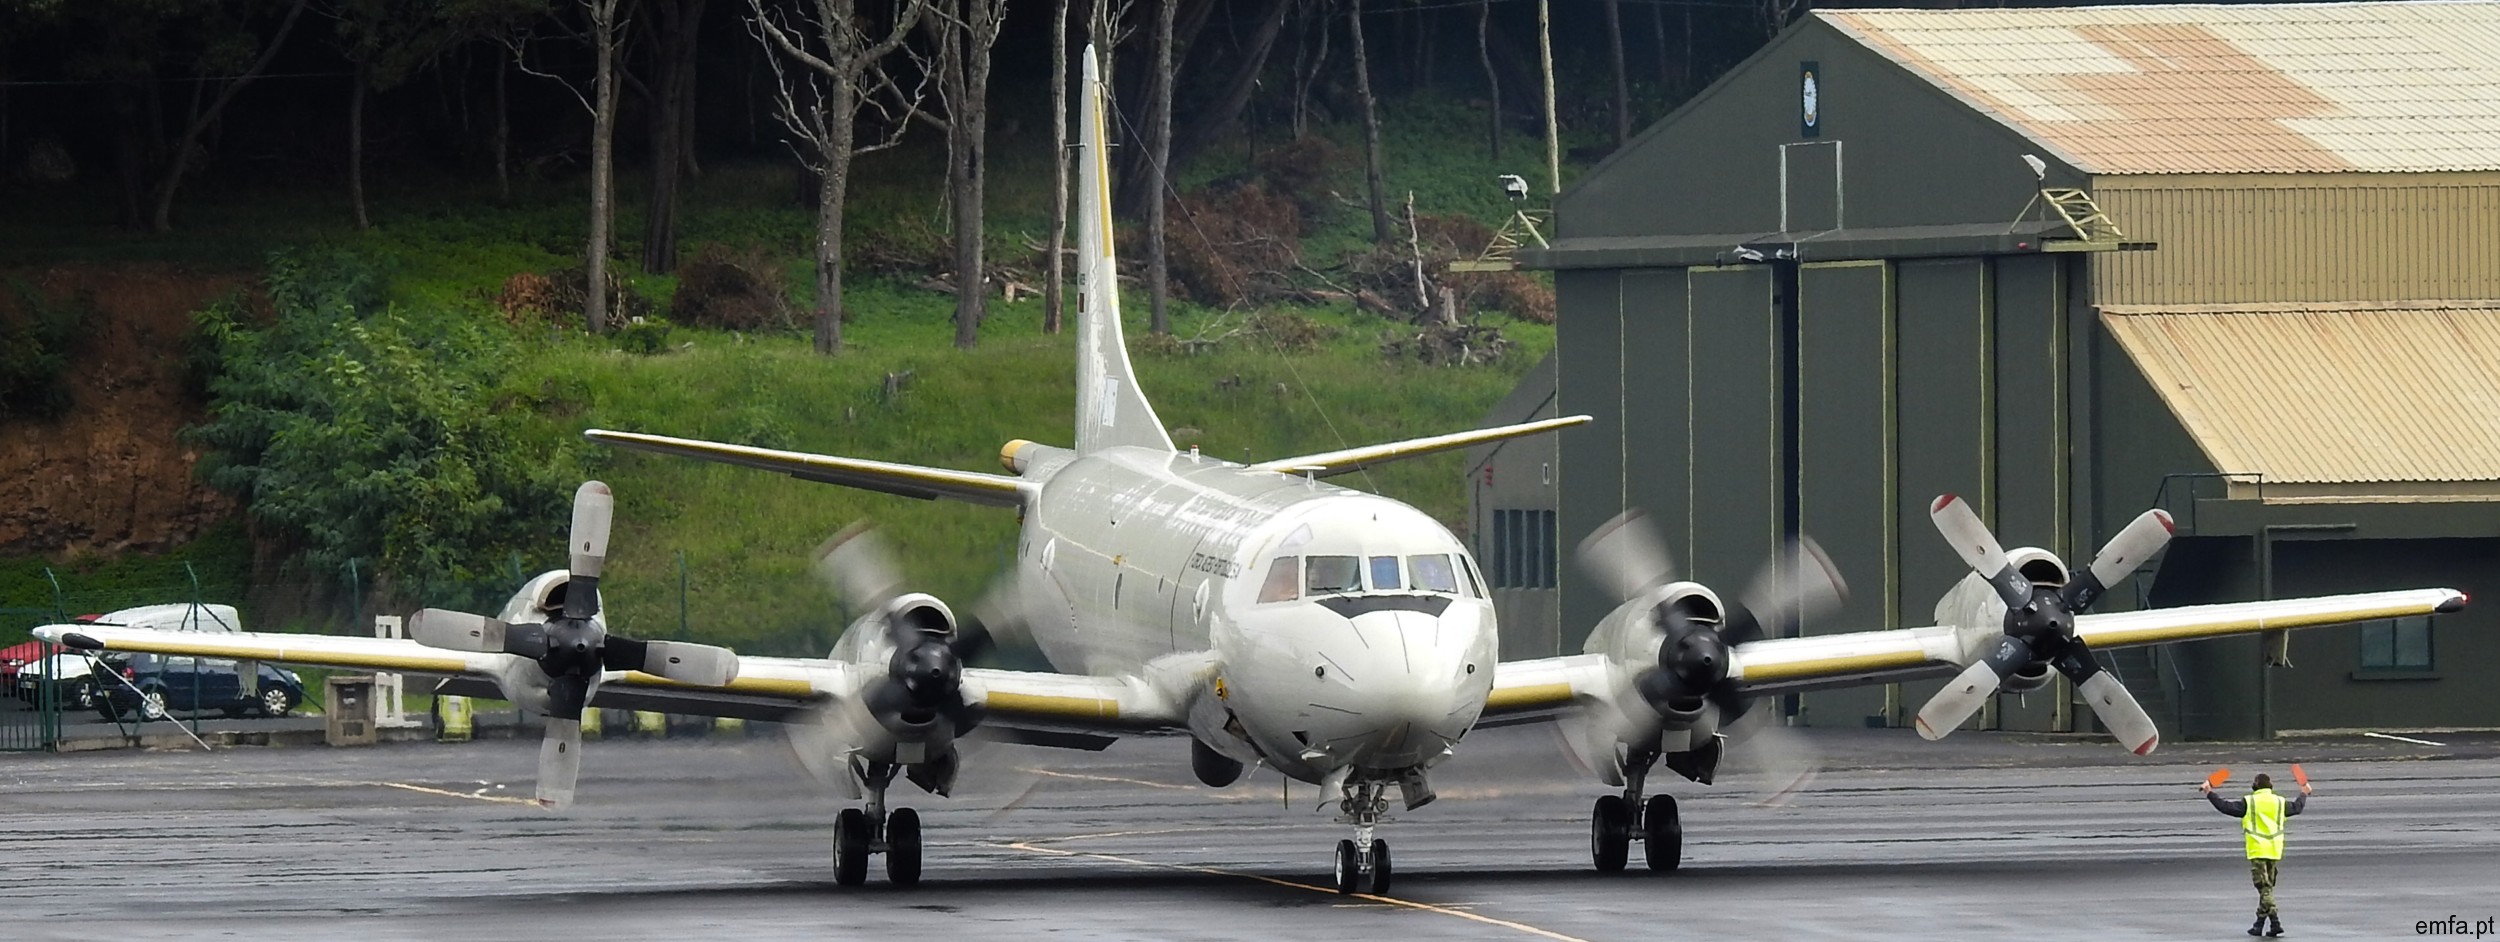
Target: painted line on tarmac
{"points": [[447, 793], [1110, 778], [1033, 847], [2419, 742]]}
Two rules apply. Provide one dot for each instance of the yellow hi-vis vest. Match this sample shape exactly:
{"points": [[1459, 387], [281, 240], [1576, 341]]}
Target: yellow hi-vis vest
{"points": [[2263, 825]]}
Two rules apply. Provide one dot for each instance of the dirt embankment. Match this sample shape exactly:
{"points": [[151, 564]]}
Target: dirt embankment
{"points": [[113, 475]]}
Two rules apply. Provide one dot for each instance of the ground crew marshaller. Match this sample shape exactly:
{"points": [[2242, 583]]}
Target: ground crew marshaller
{"points": [[2261, 817]]}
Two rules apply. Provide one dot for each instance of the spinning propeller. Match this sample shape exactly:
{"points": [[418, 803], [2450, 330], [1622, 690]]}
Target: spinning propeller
{"points": [[1693, 640], [920, 699], [2040, 625], [571, 650]]}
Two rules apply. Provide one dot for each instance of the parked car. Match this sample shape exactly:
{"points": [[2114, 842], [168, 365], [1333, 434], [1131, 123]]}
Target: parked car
{"points": [[71, 673], [160, 684]]}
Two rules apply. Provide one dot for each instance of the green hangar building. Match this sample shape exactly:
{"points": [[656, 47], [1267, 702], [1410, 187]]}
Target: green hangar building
{"points": [[2241, 262]]}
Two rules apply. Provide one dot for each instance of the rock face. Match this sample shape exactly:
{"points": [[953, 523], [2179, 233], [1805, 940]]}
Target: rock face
{"points": [[113, 475]]}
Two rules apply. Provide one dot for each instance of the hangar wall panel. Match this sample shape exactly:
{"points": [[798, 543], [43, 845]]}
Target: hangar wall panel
{"points": [[2341, 693], [1845, 453], [1589, 379], [1736, 430], [2029, 427], [2307, 237], [1941, 307], [1657, 405]]}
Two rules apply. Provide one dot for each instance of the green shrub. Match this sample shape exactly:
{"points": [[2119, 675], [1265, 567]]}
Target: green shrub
{"points": [[643, 335], [37, 340]]}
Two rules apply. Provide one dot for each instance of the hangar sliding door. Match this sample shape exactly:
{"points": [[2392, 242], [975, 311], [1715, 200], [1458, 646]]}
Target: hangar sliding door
{"points": [[1657, 405], [2027, 331], [1941, 309], [1736, 431], [1844, 453], [1588, 379]]}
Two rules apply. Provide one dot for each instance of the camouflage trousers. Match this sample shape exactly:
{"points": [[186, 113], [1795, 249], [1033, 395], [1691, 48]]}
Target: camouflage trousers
{"points": [[2262, 872]]}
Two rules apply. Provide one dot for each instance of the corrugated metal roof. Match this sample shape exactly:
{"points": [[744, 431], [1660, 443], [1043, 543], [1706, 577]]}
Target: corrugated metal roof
{"points": [[2205, 88], [2329, 394]]}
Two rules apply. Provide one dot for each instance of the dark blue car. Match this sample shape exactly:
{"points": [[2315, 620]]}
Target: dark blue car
{"points": [[155, 685]]}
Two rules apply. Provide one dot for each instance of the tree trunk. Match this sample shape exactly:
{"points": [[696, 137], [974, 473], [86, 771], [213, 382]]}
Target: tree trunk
{"points": [[1545, 62], [1304, 78], [832, 187], [1372, 176], [1623, 88], [602, 162], [503, 134], [1666, 63], [1210, 122], [1158, 157], [1052, 288], [1492, 78], [672, 86], [356, 150], [172, 182]]}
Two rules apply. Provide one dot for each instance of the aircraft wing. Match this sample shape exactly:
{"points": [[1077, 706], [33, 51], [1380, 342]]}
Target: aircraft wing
{"points": [[1332, 463], [906, 480], [1786, 665], [765, 688]]}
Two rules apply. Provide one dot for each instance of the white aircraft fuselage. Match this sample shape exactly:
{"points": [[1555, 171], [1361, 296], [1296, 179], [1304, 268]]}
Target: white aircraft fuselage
{"points": [[1349, 634]]}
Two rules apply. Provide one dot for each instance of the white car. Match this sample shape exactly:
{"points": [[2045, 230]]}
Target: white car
{"points": [[74, 673]]}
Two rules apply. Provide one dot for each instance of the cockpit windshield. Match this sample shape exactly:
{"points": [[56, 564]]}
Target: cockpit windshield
{"points": [[1332, 574], [1432, 573]]}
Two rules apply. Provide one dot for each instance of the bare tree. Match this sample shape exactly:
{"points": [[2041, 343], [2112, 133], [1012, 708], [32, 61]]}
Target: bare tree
{"points": [[1492, 77], [201, 119], [675, 25], [1207, 123], [1052, 289], [1159, 156], [1623, 86], [837, 54], [1306, 74], [1372, 177], [963, 32]]}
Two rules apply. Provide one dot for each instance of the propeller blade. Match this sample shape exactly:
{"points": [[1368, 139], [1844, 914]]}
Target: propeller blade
{"points": [[1979, 548], [456, 631], [1787, 763], [2108, 698], [2119, 558], [1965, 694], [685, 662], [858, 566], [1797, 585], [1626, 556], [594, 508], [559, 761]]}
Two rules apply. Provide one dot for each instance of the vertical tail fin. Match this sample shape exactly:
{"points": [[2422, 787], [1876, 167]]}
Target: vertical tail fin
{"points": [[1110, 409]]}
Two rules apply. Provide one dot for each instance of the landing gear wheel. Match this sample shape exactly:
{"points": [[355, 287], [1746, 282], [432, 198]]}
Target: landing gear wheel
{"points": [[1662, 834], [850, 847], [902, 847], [1380, 868], [1610, 833], [1348, 867]]}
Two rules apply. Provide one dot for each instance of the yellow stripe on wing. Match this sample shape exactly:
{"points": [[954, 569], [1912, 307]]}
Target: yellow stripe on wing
{"points": [[1772, 672], [1527, 697], [1034, 704], [2156, 634], [260, 650], [794, 688]]}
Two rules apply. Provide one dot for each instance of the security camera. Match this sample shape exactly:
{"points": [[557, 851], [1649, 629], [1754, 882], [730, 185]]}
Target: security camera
{"points": [[2039, 168], [1748, 254], [1514, 186]]}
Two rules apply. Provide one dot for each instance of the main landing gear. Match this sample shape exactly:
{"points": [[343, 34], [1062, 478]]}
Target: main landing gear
{"points": [[1363, 862], [857, 833], [1618, 820]]}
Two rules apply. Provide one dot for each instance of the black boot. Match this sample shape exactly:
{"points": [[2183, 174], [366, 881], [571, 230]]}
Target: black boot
{"points": [[2258, 927], [2277, 928]]}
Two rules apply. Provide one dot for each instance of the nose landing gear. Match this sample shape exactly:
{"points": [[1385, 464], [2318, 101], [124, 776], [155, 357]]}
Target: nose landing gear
{"points": [[859, 833], [1363, 862], [1618, 820]]}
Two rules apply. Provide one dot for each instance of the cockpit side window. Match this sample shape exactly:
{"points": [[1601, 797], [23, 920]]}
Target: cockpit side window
{"points": [[1385, 573], [1432, 573], [1332, 574], [1475, 583], [1282, 580]]}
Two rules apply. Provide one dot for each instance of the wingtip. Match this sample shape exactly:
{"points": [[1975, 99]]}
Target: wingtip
{"points": [[2453, 604]]}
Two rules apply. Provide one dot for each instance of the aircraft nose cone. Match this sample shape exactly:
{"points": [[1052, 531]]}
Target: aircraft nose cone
{"points": [[1408, 692]]}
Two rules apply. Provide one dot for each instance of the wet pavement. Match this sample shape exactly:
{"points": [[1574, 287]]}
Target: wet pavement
{"points": [[1982, 835]]}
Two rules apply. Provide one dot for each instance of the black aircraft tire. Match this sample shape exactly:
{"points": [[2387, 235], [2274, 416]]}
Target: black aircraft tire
{"points": [[902, 847], [850, 847], [1347, 868], [1662, 840], [1610, 834], [1380, 868]]}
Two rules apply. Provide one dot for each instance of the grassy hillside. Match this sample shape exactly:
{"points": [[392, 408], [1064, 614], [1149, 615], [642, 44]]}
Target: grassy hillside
{"points": [[746, 535]]}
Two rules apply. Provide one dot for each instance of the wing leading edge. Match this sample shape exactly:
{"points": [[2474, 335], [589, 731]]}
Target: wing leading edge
{"points": [[906, 480], [1785, 665]]}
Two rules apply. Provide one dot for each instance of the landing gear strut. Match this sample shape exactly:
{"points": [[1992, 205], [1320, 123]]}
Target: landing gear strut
{"points": [[1363, 862], [858, 833], [1618, 820]]}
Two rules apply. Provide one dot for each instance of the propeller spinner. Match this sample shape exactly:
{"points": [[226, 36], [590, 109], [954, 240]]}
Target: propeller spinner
{"points": [[572, 650]]}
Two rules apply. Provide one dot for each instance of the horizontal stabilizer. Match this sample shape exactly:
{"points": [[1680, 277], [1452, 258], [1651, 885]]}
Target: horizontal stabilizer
{"points": [[885, 477], [1327, 464]]}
